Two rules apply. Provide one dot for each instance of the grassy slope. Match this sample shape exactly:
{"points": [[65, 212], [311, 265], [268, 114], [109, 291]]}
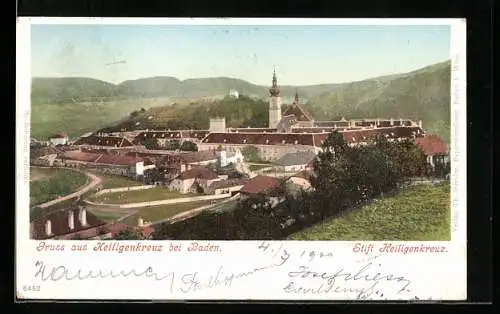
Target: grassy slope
{"points": [[155, 213], [419, 213], [78, 118], [112, 181], [57, 182]]}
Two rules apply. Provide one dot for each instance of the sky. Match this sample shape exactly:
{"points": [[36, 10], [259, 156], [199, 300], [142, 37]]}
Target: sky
{"points": [[302, 55]]}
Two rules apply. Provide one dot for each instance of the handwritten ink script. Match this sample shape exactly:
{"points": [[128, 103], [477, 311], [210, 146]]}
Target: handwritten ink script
{"points": [[368, 282], [305, 273]]}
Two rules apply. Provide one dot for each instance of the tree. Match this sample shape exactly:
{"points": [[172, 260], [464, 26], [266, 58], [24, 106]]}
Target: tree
{"points": [[173, 145], [251, 153], [189, 146], [134, 114], [199, 189], [129, 234], [143, 110], [150, 143], [153, 175]]}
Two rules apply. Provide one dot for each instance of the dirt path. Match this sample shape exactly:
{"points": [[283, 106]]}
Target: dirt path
{"points": [[95, 181]]}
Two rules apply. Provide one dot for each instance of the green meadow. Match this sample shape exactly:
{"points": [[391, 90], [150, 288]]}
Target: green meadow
{"points": [[417, 213]]}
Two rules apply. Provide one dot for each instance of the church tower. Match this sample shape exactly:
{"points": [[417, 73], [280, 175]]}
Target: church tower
{"points": [[274, 103]]}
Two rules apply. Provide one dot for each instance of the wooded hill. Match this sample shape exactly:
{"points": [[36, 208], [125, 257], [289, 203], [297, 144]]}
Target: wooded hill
{"points": [[420, 95]]}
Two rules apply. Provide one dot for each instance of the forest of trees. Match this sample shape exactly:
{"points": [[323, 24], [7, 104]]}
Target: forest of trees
{"points": [[152, 143], [345, 179]]}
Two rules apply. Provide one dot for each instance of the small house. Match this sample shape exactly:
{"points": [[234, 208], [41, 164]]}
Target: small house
{"points": [[59, 139]]}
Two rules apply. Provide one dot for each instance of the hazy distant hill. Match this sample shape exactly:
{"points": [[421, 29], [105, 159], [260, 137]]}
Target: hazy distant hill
{"points": [[70, 89], [421, 95], [86, 89]]}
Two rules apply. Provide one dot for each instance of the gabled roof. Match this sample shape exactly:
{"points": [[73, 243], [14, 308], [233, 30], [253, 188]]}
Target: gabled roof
{"points": [[432, 145], [309, 139], [227, 183], [361, 135], [260, 185], [59, 135], [172, 135], [60, 226], [108, 141], [296, 158], [81, 156], [198, 173], [298, 111]]}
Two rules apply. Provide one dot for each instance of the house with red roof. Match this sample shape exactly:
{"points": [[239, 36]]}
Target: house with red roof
{"points": [[71, 223], [188, 181], [434, 148], [264, 188], [261, 185]]}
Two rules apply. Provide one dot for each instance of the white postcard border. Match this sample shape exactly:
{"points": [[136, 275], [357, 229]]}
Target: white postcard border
{"points": [[441, 277]]}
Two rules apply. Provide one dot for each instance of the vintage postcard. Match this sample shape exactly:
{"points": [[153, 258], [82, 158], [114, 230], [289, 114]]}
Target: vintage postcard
{"points": [[241, 159]]}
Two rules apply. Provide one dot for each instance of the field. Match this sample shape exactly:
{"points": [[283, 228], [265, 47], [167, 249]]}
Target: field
{"points": [[78, 118], [418, 213], [49, 183], [110, 181], [154, 194], [155, 213], [107, 216]]}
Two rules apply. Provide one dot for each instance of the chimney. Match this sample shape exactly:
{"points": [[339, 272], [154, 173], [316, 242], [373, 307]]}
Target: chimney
{"points": [[83, 216], [420, 123], [140, 222], [71, 220], [392, 121], [48, 227]]}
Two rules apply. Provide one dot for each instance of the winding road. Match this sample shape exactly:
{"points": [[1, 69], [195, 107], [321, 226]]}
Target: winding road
{"points": [[95, 181]]}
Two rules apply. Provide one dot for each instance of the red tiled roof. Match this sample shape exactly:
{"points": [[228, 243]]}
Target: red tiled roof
{"points": [[308, 139], [360, 135], [198, 173], [59, 224], [253, 130], [312, 129], [109, 141], [115, 228], [338, 124], [260, 184], [147, 231], [197, 156], [180, 134], [432, 145], [127, 160], [227, 183], [296, 110], [59, 135]]}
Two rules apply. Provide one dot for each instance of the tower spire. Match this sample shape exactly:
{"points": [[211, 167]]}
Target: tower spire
{"points": [[296, 99], [274, 90]]}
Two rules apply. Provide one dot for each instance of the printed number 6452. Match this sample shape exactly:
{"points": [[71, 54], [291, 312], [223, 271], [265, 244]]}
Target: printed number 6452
{"points": [[31, 288]]}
